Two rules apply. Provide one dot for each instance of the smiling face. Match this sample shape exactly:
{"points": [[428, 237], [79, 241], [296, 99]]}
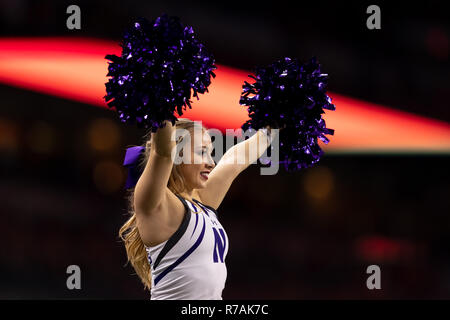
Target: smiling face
{"points": [[195, 174]]}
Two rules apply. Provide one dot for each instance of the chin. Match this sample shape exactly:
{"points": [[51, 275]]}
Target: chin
{"points": [[202, 185]]}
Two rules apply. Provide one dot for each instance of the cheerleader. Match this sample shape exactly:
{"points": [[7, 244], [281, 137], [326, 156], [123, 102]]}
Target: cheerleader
{"points": [[174, 238]]}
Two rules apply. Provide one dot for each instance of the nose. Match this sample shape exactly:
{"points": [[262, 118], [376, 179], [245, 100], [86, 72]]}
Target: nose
{"points": [[210, 162]]}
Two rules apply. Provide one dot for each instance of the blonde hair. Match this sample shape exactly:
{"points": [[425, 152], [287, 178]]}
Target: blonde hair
{"points": [[129, 233]]}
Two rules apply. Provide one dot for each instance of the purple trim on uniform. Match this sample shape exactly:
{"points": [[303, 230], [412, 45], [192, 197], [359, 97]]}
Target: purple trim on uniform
{"points": [[184, 256], [149, 258], [196, 218], [195, 227], [195, 208], [210, 208], [202, 206]]}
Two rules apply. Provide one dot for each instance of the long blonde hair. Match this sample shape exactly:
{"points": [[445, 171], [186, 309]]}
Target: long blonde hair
{"points": [[129, 233]]}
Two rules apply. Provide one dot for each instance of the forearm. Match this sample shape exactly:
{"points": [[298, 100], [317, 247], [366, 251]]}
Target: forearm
{"points": [[151, 187], [161, 140], [249, 151]]}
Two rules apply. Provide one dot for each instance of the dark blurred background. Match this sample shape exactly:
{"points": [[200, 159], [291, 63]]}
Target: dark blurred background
{"points": [[308, 235]]}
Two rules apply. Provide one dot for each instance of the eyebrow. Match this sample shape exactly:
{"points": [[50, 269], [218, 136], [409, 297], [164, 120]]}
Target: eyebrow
{"points": [[204, 147]]}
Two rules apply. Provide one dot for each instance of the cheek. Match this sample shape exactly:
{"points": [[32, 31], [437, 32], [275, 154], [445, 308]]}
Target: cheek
{"points": [[197, 158], [196, 171], [192, 171]]}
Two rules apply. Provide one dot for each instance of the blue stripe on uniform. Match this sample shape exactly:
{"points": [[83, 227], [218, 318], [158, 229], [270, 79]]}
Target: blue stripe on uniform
{"points": [[184, 256], [195, 208], [149, 257], [204, 209], [195, 227], [196, 218]]}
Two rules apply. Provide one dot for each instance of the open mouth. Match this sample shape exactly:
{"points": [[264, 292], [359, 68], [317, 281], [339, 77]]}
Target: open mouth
{"points": [[204, 174]]}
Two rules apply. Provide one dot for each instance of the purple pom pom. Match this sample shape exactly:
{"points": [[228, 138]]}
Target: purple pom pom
{"points": [[161, 62], [290, 95]]}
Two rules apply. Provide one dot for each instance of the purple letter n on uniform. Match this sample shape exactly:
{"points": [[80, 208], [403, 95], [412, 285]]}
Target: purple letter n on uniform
{"points": [[219, 244]]}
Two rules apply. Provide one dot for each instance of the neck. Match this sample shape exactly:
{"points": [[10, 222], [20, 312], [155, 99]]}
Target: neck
{"points": [[188, 194]]}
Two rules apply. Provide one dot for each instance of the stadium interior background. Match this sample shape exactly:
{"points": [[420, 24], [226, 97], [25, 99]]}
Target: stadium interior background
{"points": [[307, 235]]}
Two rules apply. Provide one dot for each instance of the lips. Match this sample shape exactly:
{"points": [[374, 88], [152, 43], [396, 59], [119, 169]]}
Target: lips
{"points": [[204, 174]]}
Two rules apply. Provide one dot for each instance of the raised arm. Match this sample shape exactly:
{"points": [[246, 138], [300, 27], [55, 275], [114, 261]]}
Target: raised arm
{"points": [[248, 151], [151, 188], [234, 161]]}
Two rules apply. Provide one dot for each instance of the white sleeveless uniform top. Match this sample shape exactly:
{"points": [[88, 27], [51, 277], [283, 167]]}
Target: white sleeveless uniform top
{"points": [[190, 265]]}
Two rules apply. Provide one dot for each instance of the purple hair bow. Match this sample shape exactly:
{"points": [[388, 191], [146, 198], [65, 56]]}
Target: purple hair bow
{"points": [[132, 157]]}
